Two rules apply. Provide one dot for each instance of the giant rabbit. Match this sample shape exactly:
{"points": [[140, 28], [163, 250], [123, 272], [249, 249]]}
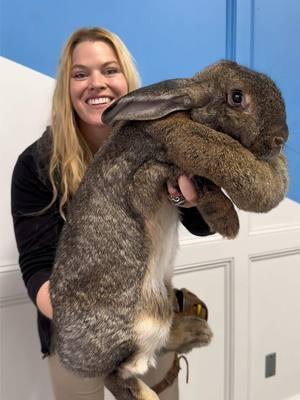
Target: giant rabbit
{"points": [[111, 287]]}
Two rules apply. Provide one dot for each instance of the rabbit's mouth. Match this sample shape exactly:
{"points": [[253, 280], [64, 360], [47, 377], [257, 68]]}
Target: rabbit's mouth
{"points": [[265, 148]]}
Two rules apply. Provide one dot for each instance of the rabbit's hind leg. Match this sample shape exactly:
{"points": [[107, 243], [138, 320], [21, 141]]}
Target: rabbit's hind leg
{"points": [[131, 388], [152, 334]]}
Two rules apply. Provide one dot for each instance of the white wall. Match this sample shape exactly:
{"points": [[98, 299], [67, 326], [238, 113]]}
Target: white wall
{"points": [[251, 287], [24, 111], [250, 284]]}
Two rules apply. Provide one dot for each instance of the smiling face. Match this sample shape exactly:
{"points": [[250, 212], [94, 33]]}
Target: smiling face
{"points": [[96, 81]]}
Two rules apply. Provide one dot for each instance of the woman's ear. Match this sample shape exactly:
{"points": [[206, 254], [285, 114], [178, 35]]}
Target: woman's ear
{"points": [[151, 102]]}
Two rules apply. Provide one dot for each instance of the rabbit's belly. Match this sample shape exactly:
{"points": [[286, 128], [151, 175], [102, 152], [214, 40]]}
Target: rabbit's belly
{"points": [[153, 323], [162, 230]]}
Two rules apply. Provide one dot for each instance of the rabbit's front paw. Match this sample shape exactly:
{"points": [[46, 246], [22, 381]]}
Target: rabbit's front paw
{"points": [[228, 226], [218, 210]]}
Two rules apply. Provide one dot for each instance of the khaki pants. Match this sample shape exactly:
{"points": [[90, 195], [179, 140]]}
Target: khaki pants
{"points": [[67, 386]]}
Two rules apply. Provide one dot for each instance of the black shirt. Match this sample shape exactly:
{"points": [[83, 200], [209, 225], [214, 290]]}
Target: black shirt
{"points": [[37, 234]]}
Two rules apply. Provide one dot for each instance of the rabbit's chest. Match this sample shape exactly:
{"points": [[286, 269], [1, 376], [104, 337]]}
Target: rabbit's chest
{"points": [[163, 234]]}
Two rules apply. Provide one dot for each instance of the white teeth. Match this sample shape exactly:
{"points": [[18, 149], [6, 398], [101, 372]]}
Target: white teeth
{"points": [[99, 100]]}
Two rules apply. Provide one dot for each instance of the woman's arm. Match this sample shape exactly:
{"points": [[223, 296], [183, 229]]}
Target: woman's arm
{"points": [[36, 234]]}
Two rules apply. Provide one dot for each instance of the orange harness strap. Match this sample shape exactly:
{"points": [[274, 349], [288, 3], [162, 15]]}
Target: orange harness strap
{"points": [[171, 375]]}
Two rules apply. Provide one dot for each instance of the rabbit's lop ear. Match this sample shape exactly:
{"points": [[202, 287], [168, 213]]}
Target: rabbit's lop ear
{"points": [[151, 102]]}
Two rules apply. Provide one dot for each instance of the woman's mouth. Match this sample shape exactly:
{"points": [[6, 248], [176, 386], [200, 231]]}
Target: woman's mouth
{"points": [[95, 101]]}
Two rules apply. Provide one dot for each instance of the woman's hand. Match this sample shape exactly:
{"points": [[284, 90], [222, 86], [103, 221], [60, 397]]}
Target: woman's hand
{"points": [[43, 300], [187, 189]]}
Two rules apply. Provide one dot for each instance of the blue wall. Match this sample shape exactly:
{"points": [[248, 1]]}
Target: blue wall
{"points": [[167, 38], [267, 39], [170, 38]]}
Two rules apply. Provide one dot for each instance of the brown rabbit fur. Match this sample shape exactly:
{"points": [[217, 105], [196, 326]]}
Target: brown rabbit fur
{"points": [[231, 99], [111, 286]]}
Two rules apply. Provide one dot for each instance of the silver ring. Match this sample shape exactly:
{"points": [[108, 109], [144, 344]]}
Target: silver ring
{"points": [[178, 200]]}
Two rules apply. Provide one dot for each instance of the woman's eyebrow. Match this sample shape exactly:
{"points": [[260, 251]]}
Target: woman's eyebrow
{"points": [[102, 65], [110, 62], [79, 66]]}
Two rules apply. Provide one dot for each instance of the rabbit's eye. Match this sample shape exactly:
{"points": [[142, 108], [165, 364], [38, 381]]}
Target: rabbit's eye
{"points": [[235, 98]]}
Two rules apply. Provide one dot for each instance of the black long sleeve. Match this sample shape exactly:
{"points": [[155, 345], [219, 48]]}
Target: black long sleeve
{"points": [[36, 235], [194, 223]]}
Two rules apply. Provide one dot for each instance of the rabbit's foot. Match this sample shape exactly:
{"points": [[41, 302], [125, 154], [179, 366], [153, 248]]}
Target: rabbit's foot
{"points": [[227, 227], [128, 389], [145, 393], [188, 332], [217, 209], [189, 326]]}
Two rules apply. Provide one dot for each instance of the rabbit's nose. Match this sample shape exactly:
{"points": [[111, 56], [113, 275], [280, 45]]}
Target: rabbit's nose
{"points": [[278, 141], [283, 133], [277, 145]]}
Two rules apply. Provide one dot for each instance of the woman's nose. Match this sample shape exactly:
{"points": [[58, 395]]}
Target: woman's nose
{"points": [[97, 81]]}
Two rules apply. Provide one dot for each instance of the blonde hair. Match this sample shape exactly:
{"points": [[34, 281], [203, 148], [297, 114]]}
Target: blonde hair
{"points": [[70, 154]]}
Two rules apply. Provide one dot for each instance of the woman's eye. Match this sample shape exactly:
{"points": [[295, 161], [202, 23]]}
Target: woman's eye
{"points": [[79, 75], [111, 71], [235, 98]]}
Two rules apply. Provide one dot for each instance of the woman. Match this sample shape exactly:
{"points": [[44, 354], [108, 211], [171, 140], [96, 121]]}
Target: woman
{"points": [[95, 70]]}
